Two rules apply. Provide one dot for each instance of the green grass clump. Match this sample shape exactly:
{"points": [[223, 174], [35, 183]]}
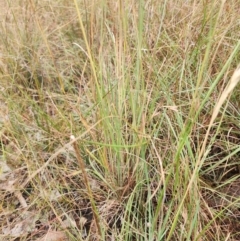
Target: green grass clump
{"points": [[119, 120]]}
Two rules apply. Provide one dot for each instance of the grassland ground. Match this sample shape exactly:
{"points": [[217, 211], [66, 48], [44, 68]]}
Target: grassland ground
{"points": [[119, 120]]}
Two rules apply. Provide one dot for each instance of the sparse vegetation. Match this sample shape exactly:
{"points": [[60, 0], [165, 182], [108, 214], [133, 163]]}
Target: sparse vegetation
{"points": [[119, 120]]}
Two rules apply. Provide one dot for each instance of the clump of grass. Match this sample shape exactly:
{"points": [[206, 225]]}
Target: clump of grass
{"points": [[149, 92]]}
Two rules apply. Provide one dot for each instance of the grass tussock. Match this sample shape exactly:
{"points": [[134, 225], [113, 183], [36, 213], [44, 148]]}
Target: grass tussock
{"points": [[119, 120]]}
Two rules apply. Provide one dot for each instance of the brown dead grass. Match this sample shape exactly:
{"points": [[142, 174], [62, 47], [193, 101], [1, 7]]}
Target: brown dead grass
{"points": [[127, 106]]}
